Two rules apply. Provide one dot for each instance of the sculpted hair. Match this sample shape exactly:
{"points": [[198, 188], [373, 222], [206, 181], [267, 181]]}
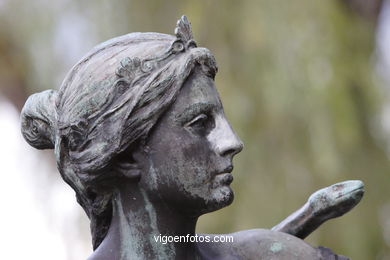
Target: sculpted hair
{"points": [[106, 107]]}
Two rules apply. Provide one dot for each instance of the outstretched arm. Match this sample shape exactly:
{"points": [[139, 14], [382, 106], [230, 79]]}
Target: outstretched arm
{"points": [[330, 202]]}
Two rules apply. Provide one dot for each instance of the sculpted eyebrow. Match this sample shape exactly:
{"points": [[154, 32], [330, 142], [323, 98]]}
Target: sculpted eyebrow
{"points": [[193, 110]]}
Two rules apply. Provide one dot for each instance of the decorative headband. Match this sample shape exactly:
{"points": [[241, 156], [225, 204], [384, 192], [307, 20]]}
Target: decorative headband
{"points": [[131, 69]]}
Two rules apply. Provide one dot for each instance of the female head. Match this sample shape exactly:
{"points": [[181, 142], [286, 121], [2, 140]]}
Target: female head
{"points": [[106, 120]]}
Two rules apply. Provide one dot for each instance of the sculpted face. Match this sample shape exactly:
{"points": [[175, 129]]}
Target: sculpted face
{"points": [[187, 162]]}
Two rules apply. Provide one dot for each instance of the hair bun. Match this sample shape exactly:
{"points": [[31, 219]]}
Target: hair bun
{"points": [[38, 119]]}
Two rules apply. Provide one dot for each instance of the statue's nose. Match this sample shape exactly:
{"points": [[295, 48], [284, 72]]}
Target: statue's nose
{"points": [[227, 142]]}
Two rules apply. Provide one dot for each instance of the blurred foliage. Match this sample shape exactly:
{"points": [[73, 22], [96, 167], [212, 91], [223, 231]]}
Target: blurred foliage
{"points": [[298, 83]]}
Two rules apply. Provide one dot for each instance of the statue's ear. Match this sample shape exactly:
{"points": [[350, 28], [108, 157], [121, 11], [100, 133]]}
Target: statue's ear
{"points": [[127, 166]]}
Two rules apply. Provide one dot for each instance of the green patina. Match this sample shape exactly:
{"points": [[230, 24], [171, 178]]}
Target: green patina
{"points": [[276, 247]]}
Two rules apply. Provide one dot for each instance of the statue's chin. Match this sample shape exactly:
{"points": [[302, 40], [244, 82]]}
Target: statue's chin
{"points": [[218, 199], [221, 198]]}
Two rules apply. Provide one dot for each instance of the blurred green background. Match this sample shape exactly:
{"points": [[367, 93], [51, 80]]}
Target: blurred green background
{"points": [[300, 85]]}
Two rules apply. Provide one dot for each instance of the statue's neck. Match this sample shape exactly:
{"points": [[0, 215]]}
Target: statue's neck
{"points": [[139, 229]]}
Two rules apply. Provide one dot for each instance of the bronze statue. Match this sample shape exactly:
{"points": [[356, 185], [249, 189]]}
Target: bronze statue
{"points": [[140, 134]]}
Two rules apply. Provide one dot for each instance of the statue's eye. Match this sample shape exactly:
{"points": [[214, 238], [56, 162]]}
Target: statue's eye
{"points": [[201, 124]]}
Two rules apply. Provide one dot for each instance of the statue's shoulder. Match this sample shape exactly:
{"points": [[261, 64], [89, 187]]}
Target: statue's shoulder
{"points": [[258, 244]]}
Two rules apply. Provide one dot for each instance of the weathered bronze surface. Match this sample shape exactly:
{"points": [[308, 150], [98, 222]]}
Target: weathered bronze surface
{"points": [[140, 134]]}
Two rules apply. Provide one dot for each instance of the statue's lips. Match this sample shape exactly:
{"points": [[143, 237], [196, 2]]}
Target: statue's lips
{"points": [[222, 177], [226, 178]]}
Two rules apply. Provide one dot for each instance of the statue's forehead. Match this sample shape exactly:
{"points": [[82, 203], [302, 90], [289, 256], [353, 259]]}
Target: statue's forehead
{"points": [[199, 88]]}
